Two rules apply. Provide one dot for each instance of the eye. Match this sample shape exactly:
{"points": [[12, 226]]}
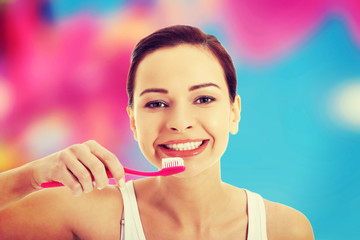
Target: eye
{"points": [[156, 104], [204, 100]]}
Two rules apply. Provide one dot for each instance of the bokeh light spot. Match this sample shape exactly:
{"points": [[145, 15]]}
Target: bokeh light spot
{"points": [[6, 102], [344, 105], [47, 134]]}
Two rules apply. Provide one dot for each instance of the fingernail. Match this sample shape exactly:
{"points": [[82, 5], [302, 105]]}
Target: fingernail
{"points": [[122, 183]]}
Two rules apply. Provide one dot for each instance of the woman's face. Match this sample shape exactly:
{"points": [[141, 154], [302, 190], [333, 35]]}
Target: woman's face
{"points": [[182, 108]]}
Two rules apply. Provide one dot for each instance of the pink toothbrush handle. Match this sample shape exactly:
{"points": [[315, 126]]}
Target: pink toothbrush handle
{"points": [[139, 173], [162, 172], [59, 184]]}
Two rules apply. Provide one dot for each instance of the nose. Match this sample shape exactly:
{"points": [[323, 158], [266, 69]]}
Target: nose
{"points": [[180, 119]]}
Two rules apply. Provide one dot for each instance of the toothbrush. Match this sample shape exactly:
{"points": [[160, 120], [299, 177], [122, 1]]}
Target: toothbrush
{"points": [[170, 166]]}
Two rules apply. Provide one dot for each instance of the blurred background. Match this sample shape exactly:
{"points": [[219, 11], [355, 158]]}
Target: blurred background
{"points": [[63, 68]]}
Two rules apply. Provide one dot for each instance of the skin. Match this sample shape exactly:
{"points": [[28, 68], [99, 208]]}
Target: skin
{"points": [[171, 103]]}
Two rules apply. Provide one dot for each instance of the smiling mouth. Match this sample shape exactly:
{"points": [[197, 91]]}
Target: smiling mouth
{"points": [[187, 146]]}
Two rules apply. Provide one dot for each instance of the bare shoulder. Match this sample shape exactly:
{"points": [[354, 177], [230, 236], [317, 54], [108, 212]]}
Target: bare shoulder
{"points": [[98, 214], [56, 214], [284, 222]]}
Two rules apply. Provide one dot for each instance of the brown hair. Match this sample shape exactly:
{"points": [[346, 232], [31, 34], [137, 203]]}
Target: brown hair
{"points": [[176, 35]]}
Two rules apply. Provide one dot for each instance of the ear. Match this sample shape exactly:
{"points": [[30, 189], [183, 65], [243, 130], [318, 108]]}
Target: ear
{"points": [[132, 121], [235, 115]]}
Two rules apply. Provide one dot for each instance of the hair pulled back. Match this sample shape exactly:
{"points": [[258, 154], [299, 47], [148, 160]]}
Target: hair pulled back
{"points": [[176, 35]]}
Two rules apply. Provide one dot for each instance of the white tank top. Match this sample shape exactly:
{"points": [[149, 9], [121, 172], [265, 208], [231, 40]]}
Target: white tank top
{"points": [[131, 227]]}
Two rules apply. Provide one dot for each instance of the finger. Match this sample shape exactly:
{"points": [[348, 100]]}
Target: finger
{"points": [[80, 172], [96, 168], [109, 160], [69, 180], [59, 172]]}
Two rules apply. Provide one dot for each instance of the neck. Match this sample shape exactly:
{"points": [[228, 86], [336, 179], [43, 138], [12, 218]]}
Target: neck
{"points": [[193, 201]]}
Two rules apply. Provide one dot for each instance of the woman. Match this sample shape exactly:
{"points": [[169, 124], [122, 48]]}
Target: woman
{"points": [[182, 102]]}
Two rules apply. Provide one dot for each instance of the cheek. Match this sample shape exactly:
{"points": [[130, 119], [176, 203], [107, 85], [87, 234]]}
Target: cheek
{"points": [[217, 124], [217, 119], [147, 126]]}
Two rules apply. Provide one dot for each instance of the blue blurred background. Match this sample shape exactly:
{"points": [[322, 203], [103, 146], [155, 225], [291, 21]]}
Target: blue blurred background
{"points": [[63, 68]]}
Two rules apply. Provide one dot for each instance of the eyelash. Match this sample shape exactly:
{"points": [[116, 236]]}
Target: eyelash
{"points": [[157, 103], [208, 99], [162, 104]]}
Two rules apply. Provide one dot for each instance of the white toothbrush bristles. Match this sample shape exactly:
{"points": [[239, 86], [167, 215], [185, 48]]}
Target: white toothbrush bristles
{"points": [[172, 162]]}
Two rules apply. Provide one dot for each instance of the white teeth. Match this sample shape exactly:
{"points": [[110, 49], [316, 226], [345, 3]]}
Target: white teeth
{"points": [[172, 162], [184, 146]]}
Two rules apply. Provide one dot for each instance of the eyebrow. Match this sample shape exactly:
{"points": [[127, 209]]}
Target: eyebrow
{"points": [[192, 88], [157, 90], [202, 86]]}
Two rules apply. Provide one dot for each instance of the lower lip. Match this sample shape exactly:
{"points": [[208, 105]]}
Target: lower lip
{"points": [[185, 153]]}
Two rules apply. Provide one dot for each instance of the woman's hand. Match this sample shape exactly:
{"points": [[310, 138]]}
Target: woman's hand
{"points": [[75, 165]]}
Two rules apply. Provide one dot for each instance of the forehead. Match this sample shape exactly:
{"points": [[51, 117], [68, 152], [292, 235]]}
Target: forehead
{"points": [[186, 64]]}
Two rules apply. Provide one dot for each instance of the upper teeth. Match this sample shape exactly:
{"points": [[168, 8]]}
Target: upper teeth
{"points": [[184, 146]]}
